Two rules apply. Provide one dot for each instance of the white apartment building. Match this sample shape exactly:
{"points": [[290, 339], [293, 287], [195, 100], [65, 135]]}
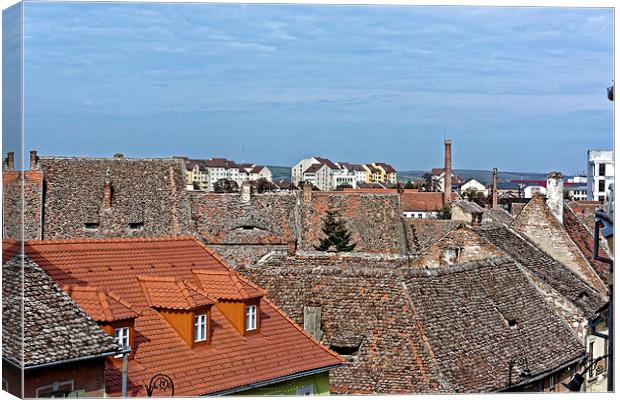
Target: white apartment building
{"points": [[298, 170], [600, 171], [205, 173]]}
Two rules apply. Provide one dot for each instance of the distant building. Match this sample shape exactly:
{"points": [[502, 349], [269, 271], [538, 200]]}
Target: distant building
{"points": [[473, 185], [437, 174], [600, 173], [299, 170], [327, 175], [203, 174], [388, 173], [578, 193]]}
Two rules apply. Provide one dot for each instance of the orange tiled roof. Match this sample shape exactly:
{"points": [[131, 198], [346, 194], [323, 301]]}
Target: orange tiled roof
{"points": [[229, 361], [102, 305], [422, 201], [172, 293], [226, 285]]}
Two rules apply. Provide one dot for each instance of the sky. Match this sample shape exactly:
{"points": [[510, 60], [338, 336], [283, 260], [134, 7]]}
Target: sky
{"points": [[521, 89]]}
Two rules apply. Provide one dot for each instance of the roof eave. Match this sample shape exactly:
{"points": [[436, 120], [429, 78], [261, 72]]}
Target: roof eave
{"points": [[274, 380]]}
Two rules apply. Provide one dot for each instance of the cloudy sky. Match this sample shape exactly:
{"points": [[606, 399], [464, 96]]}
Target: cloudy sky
{"points": [[522, 89]]}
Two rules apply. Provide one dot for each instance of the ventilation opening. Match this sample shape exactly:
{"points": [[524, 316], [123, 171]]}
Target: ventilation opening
{"points": [[91, 225], [512, 323], [136, 225], [248, 228], [583, 295], [345, 350]]}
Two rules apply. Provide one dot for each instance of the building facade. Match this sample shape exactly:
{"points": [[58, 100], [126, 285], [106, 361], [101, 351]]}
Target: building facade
{"points": [[600, 171]]}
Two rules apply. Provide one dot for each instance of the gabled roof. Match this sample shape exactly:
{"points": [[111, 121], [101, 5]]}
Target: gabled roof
{"points": [[313, 168], [226, 285], [476, 316], [230, 361], [544, 267], [54, 328], [437, 171], [387, 168], [102, 305], [423, 233], [257, 169], [172, 293], [418, 330], [327, 162]]}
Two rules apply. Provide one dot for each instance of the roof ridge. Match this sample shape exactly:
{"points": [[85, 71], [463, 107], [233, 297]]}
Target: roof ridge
{"points": [[148, 239], [105, 305]]}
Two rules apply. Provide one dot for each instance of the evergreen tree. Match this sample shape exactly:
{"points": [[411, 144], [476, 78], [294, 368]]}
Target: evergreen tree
{"points": [[336, 234]]}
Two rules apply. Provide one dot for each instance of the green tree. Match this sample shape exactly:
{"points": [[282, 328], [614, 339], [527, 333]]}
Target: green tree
{"points": [[225, 186], [336, 234], [409, 185], [444, 212]]}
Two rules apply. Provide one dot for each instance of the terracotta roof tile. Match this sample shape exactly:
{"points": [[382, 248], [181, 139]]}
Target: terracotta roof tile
{"points": [[422, 201], [172, 293], [102, 305], [226, 285], [230, 361]]}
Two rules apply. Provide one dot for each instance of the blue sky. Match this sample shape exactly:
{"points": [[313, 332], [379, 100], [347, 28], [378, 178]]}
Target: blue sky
{"points": [[522, 89]]}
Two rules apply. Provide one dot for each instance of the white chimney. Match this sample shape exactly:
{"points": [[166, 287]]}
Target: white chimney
{"points": [[246, 192], [555, 194]]}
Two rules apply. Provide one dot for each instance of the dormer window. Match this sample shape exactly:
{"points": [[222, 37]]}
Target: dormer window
{"points": [[250, 317], [200, 328], [122, 337]]}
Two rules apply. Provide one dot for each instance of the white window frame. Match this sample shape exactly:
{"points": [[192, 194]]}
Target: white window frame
{"points": [[200, 328], [121, 338], [250, 317]]}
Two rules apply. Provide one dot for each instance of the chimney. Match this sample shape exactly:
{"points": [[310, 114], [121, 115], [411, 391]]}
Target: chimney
{"points": [[246, 192], [447, 179], [312, 321], [10, 161], [291, 247], [33, 159], [494, 187], [307, 189], [555, 194], [107, 190]]}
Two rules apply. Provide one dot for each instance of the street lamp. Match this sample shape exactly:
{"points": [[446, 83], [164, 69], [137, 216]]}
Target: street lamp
{"points": [[520, 361]]}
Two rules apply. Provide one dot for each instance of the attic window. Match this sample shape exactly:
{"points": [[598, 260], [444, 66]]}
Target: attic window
{"points": [[345, 350], [250, 317], [136, 225], [91, 225]]}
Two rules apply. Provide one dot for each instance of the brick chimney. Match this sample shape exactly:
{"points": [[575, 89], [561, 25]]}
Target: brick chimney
{"points": [[10, 161], [447, 178], [107, 190], [555, 194], [33, 159], [494, 187], [246, 192], [307, 191]]}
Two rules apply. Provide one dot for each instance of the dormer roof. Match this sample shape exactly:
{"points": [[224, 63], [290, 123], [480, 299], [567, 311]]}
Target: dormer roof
{"points": [[226, 285], [102, 305], [172, 293]]}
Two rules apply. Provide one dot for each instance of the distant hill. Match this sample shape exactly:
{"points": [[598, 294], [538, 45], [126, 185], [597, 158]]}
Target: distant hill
{"points": [[486, 177], [480, 175]]}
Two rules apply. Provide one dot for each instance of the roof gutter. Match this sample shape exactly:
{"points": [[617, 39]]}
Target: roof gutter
{"points": [[545, 374], [84, 358], [273, 381]]}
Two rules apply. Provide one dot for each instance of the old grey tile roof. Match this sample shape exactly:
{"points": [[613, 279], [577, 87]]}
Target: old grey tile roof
{"points": [[55, 328], [418, 331], [496, 215], [466, 313], [544, 267], [363, 304]]}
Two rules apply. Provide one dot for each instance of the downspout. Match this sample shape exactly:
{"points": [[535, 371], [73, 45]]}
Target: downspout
{"points": [[124, 372]]}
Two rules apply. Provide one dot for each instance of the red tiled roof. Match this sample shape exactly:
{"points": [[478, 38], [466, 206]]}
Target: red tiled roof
{"points": [[387, 168], [226, 285], [437, 171], [102, 305], [313, 168], [422, 201], [229, 361], [327, 162], [171, 293]]}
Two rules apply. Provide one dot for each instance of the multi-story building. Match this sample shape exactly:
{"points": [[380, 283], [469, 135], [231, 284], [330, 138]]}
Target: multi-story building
{"points": [[356, 169], [373, 174], [387, 172], [203, 174], [327, 175], [600, 171], [299, 170]]}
